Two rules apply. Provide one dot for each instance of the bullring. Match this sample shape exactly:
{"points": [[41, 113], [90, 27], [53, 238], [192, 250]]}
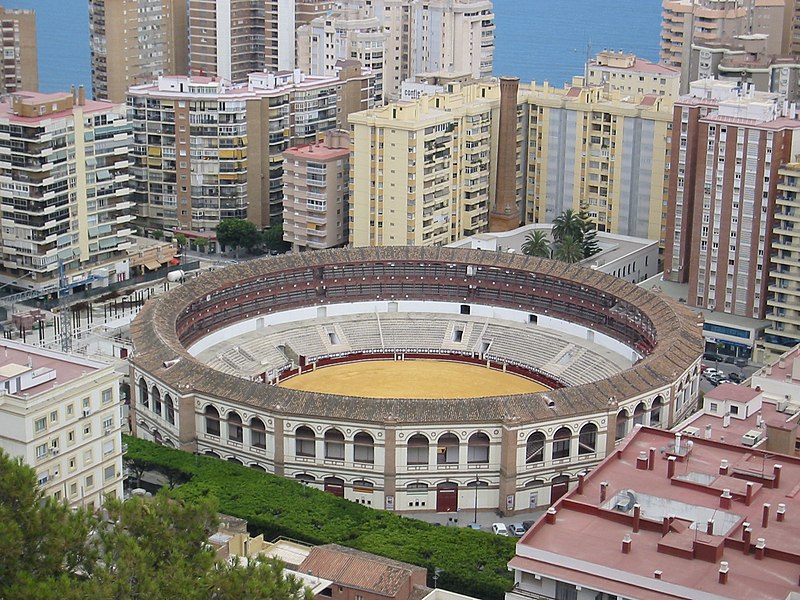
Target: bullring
{"points": [[505, 453]]}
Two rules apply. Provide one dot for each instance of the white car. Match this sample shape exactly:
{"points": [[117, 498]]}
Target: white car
{"points": [[499, 529], [709, 373]]}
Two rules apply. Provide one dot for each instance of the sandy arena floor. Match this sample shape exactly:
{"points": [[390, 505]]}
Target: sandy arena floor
{"points": [[411, 379]]}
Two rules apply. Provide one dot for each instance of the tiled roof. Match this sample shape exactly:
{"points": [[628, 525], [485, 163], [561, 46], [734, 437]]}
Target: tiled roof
{"points": [[679, 343]]}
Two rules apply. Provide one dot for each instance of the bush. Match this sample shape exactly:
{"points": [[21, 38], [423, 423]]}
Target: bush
{"points": [[470, 562]]}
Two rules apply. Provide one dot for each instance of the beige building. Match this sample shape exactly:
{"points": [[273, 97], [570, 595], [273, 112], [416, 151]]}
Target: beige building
{"points": [[316, 193], [603, 151], [206, 150], [688, 23], [65, 190], [20, 58], [233, 38], [134, 42], [61, 415], [422, 171], [628, 74]]}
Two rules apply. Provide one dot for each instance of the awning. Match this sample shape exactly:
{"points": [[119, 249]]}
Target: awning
{"points": [[175, 261], [152, 265]]}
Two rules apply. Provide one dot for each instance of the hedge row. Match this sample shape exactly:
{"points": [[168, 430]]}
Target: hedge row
{"points": [[469, 562]]}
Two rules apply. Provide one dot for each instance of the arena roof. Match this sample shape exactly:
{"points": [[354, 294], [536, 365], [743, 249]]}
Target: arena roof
{"points": [[668, 332]]}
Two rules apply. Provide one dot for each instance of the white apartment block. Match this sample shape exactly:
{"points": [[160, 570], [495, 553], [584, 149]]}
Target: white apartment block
{"points": [[65, 191], [61, 415]]}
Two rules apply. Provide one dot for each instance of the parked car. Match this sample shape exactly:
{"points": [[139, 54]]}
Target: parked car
{"points": [[528, 524], [712, 356], [736, 378], [710, 373], [741, 361], [475, 526], [517, 529], [729, 359], [499, 529]]}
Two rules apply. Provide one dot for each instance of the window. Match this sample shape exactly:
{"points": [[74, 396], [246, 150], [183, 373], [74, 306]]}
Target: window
{"points": [[107, 396], [87, 430], [334, 444], [73, 489], [109, 473], [71, 437], [170, 409], [40, 425], [587, 439], [566, 591], [534, 449], [108, 423], [235, 430], [622, 424], [54, 416], [561, 441], [638, 414], [88, 457], [305, 443], [478, 448], [108, 447], [734, 410], [258, 433], [655, 412], [89, 482], [417, 452], [41, 451], [212, 421], [447, 450], [712, 406], [70, 410], [363, 448]]}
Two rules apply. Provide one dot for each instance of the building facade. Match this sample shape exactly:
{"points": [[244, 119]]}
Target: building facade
{"points": [[422, 171], [602, 151], [134, 42], [730, 146], [628, 74], [689, 23], [206, 150], [62, 416], [233, 38], [20, 69], [66, 207], [316, 193]]}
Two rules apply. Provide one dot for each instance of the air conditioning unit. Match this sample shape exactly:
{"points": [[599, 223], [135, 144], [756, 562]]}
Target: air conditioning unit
{"points": [[693, 431], [107, 430], [752, 437], [54, 451], [87, 412]]}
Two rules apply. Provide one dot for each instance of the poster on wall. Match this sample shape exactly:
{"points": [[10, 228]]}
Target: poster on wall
{"points": [[510, 502], [389, 502]]}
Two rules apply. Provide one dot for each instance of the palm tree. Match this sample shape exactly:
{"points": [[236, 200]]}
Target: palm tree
{"points": [[536, 244], [568, 250], [568, 224]]}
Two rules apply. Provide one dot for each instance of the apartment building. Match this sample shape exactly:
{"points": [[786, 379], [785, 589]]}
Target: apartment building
{"points": [[688, 23], [599, 150], [422, 171], [343, 34], [730, 145], [65, 191], [316, 193], [626, 73], [20, 67], [61, 415], [306, 11], [232, 38], [207, 150], [134, 42]]}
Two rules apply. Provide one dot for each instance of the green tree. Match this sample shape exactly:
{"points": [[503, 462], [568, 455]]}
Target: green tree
{"points": [[180, 240], [536, 244], [137, 467], [273, 238], [157, 234], [238, 233], [152, 548], [201, 243], [568, 250], [568, 224]]}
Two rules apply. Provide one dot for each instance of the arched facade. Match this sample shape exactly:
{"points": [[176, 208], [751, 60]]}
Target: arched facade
{"points": [[413, 454]]}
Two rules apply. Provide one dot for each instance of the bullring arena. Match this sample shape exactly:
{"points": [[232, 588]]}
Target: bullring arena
{"points": [[430, 379]]}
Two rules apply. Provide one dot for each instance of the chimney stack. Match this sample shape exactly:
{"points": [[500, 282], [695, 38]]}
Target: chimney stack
{"points": [[664, 526], [710, 527], [626, 544], [748, 498], [776, 473], [723, 572], [550, 516], [581, 477], [637, 514], [765, 516], [505, 215], [781, 512], [603, 490], [671, 461], [747, 537], [641, 461], [723, 467], [761, 548], [81, 95], [651, 460], [657, 573], [725, 499]]}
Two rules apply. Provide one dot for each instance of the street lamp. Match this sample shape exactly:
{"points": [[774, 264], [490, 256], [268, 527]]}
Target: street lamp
{"points": [[475, 516]]}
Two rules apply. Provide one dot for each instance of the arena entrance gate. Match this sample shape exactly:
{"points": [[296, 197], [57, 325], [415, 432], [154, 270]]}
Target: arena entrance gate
{"points": [[447, 497], [335, 486]]}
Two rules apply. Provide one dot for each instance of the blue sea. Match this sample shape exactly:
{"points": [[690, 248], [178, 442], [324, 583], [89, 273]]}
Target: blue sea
{"points": [[536, 40]]}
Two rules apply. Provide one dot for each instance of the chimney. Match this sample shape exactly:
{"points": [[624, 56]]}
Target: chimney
{"points": [[641, 461], [725, 499], [671, 467], [723, 572], [603, 490], [626, 544], [776, 474], [581, 477], [781, 512], [81, 95], [748, 498], [708, 432], [765, 516], [505, 214], [637, 514], [761, 548], [747, 536], [664, 526], [550, 516], [657, 573], [710, 527], [678, 443], [651, 460], [723, 467]]}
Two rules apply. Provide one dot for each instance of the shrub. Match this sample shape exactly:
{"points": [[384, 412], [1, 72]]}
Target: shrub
{"points": [[469, 562]]}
